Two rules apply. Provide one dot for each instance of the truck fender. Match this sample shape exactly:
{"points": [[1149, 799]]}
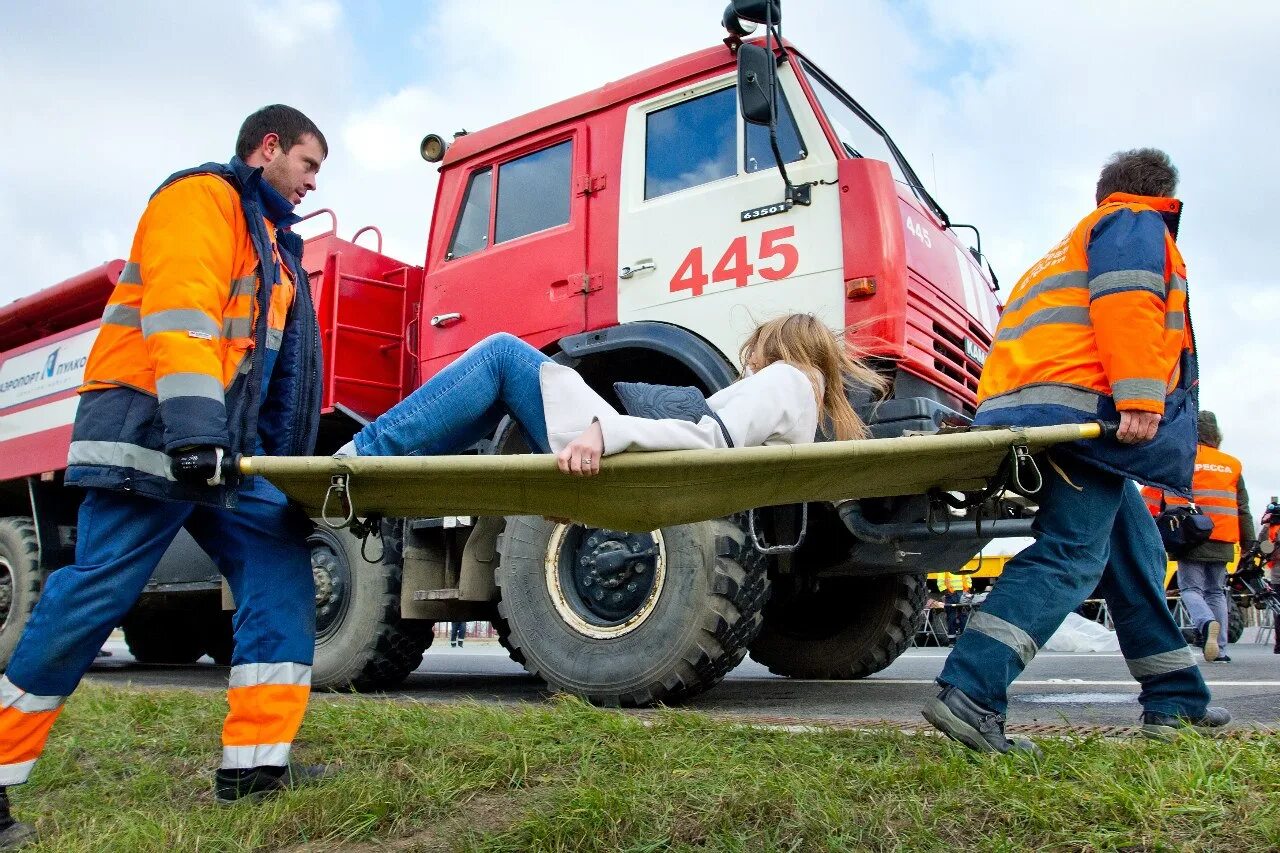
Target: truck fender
{"points": [[712, 369]]}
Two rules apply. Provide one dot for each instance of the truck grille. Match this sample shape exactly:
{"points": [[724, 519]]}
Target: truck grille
{"points": [[950, 358]]}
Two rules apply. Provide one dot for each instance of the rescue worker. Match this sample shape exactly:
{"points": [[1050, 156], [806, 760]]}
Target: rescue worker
{"points": [[1097, 330], [209, 346], [953, 586], [1217, 488]]}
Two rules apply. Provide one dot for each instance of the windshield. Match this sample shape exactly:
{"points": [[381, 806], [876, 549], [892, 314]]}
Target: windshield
{"points": [[861, 136]]}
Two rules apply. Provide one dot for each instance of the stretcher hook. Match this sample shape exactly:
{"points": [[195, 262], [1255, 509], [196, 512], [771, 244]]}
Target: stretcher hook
{"points": [[339, 487], [764, 548], [1023, 460]]}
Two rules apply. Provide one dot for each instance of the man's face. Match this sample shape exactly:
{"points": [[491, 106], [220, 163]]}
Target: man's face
{"points": [[293, 172]]}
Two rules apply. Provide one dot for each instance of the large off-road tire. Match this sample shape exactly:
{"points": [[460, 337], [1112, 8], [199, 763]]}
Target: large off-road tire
{"points": [[362, 643], [688, 601], [1235, 619], [502, 628], [839, 627], [20, 581], [164, 635]]}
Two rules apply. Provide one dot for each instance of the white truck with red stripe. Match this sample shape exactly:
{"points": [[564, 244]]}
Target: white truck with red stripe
{"points": [[636, 232]]}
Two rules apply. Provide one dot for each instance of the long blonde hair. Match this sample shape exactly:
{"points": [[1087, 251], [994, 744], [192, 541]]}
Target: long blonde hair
{"points": [[804, 342]]}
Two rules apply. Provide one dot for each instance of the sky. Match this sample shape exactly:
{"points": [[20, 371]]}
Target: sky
{"points": [[1005, 109]]}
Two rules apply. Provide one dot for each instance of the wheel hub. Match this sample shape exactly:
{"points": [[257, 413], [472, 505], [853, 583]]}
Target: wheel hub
{"points": [[6, 592], [331, 579], [612, 575], [605, 584]]}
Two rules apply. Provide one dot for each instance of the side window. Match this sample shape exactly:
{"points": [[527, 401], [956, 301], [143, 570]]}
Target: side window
{"points": [[534, 192], [471, 234], [760, 152], [691, 143]]}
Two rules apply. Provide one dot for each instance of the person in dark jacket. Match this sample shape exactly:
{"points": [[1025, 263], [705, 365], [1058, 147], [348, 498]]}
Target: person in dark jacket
{"points": [[209, 346]]}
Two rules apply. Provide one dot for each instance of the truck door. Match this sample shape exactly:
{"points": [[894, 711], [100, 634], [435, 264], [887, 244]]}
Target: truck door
{"points": [[698, 245], [515, 255]]}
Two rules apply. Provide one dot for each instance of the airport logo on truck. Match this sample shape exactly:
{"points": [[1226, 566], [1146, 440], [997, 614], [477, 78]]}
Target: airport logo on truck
{"points": [[44, 371]]}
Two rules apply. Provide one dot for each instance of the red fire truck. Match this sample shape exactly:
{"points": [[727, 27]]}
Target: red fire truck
{"points": [[636, 232]]}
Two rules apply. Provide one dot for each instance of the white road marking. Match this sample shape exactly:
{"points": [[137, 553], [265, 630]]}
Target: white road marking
{"points": [[1052, 682]]}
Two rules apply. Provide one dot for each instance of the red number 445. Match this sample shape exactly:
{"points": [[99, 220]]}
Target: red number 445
{"points": [[735, 265]]}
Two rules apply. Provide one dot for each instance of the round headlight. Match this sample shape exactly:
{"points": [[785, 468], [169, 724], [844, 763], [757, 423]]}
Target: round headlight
{"points": [[433, 147]]}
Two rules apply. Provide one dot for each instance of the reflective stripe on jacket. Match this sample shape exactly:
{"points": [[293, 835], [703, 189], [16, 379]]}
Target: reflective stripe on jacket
{"points": [[208, 290], [1099, 326]]}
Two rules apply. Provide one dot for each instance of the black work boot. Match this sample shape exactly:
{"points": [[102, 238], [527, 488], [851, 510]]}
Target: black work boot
{"points": [[1162, 726], [256, 783], [960, 718], [13, 833]]}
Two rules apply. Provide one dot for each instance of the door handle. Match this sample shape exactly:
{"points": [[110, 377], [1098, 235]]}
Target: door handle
{"points": [[627, 272], [442, 320]]}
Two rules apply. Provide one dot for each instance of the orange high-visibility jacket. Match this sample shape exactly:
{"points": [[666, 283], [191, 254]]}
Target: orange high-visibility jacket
{"points": [[179, 322], [181, 356], [1097, 327], [1214, 489]]}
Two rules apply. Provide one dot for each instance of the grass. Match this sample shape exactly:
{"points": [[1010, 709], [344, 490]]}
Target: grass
{"points": [[131, 770]]}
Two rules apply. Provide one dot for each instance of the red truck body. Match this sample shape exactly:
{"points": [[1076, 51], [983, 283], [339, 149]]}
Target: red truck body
{"points": [[634, 231]]}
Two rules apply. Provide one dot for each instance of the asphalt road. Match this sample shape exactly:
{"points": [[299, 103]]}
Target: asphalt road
{"points": [[1057, 688]]}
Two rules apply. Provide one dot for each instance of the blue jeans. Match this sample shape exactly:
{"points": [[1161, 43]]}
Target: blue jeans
{"points": [[464, 403], [1203, 590], [1093, 531]]}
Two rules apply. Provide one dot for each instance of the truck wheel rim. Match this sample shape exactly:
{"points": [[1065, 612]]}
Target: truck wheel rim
{"points": [[604, 583], [332, 578], [6, 592]]}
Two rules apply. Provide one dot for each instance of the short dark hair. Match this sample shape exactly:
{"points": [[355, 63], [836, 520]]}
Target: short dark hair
{"points": [[285, 122], [1140, 171]]}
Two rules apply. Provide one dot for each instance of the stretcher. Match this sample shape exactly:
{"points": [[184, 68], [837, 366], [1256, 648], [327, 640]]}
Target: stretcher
{"points": [[645, 491]]}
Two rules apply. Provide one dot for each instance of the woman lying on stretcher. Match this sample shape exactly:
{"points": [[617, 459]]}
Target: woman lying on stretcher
{"points": [[794, 367]]}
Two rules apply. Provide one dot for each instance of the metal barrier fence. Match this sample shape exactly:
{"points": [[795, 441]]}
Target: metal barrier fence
{"points": [[932, 629]]}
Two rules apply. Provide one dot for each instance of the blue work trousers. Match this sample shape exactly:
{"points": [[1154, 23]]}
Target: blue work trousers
{"points": [[260, 547], [1092, 531], [464, 403]]}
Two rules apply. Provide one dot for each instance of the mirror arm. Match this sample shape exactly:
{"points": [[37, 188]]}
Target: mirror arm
{"points": [[794, 195]]}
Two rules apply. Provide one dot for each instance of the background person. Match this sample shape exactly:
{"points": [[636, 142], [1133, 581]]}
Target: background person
{"points": [[1217, 488]]}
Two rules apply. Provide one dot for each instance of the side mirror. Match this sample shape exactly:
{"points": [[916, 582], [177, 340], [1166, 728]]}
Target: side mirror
{"points": [[1266, 546], [758, 11], [756, 67]]}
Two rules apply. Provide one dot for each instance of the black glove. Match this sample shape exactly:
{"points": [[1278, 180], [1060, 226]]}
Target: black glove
{"points": [[197, 466]]}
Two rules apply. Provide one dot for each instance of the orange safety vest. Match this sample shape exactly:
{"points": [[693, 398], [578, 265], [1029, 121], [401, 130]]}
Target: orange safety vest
{"points": [[1214, 491], [1064, 340]]}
